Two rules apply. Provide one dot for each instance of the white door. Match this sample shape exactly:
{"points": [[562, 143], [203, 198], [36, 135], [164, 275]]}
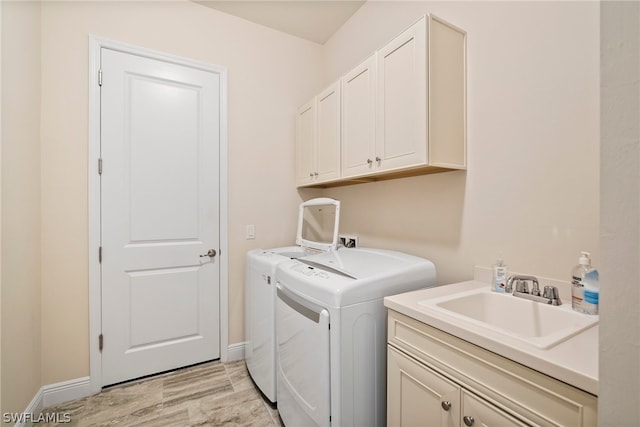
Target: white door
{"points": [[303, 373], [160, 135]]}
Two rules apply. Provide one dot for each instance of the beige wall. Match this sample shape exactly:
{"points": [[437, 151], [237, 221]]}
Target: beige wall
{"points": [[1, 128], [620, 201], [21, 314], [269, 75], [531, 191]]}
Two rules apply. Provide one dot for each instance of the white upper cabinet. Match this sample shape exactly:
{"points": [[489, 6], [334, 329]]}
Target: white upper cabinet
{"points": [[305, 142], [402, 112], [328, 144], [318, 138], [447, 80], [421, 105], [401, 137], [359, 119]]}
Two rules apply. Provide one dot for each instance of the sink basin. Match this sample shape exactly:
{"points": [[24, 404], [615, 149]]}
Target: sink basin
{"points": [[538, 324]]}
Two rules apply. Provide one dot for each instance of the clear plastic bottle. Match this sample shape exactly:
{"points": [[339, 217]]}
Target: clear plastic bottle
{"points": [[591, 292], [499, 276], [577, 277]]}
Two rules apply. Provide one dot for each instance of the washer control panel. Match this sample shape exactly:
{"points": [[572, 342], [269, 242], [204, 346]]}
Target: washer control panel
{"points": [[310, 271]]}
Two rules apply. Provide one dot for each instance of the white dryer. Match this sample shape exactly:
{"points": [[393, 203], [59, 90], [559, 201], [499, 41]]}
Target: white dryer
{"points": [[331, 333], [318, 219]]}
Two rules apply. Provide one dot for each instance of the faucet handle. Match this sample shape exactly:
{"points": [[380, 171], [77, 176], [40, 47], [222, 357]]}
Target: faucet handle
{"points": [[521, 286], [552, 294], [536, 289]]}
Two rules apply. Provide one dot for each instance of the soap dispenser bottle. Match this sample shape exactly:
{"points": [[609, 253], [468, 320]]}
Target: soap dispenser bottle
{"points": [[499, 282], [591, 292], [577, 278]]}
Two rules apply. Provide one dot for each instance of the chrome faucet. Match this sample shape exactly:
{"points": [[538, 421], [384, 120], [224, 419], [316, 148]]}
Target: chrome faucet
{"points": [[550, 295]]}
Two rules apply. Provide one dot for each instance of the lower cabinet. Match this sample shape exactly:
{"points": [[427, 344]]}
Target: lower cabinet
{"points": [[436, 379], [419, 396]]}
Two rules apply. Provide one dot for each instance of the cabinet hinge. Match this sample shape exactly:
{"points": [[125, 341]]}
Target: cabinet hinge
{"points": [[100, 77], [100, 166], [100, 342], [100, 254]]}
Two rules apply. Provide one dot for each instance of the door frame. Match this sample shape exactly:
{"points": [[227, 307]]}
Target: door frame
{"points": [[95, 298]]}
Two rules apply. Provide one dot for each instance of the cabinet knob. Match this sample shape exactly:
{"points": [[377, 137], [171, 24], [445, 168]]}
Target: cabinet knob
{"points": [[378, 159], [468, 421], [311, 174], [316, 174], [369, 161], [446, 405]]}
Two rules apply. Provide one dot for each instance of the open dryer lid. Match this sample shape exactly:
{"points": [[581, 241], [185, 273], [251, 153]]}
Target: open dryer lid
{"points": [[318, 223]]}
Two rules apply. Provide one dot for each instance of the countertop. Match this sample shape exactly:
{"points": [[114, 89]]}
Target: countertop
{"points": [[574, 361]]}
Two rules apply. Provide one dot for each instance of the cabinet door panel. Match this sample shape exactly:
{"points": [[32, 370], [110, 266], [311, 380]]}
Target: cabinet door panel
{"points": [[328, 143], [480, 413], [358, 119], [415, 395], [401, 136], [305, 142]]}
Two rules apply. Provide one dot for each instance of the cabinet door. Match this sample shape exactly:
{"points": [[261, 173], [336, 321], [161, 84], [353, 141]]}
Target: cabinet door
{"points": [[401, 135], [305, 143], [327, 153], [480, 413], [418, 396], [359, 119]]}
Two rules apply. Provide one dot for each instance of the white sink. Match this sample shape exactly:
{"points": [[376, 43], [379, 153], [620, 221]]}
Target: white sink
{"points": [[541, 325]]}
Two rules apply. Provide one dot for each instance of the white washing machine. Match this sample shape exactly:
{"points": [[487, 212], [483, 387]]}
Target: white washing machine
{"points": [[331, 333], [260, 290]]}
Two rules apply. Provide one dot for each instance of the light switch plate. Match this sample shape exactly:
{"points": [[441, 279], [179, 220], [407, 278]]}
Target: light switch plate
{"points": [[251, 232]]}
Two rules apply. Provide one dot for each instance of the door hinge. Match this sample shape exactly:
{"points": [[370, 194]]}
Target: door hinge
{"points": [[100, 77], [100, 342], [100, 166], [100, 254]]}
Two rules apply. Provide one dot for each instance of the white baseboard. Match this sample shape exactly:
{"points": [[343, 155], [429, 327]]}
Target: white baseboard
{"points": [[235, 352], [51, 395], [55, 394], [34, 408]]}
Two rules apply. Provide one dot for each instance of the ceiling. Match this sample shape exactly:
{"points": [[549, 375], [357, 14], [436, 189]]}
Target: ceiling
{"points": [[314, 20]]}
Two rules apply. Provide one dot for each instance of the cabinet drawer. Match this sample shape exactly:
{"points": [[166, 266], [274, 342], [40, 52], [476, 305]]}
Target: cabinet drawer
{"points": [[476, 412], [503, 382]]}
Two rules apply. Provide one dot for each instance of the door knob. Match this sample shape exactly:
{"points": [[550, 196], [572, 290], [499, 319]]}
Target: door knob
{"points": [[210, 253]]}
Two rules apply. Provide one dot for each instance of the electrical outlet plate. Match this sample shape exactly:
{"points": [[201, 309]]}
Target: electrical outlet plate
{"points": [[348, 241]]}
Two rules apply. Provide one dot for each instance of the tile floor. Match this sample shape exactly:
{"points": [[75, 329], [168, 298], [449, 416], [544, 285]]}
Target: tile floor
{"points": [[210, 394]]}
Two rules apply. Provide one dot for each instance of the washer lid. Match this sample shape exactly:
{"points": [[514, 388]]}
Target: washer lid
{"points": [[318, 223], [361, 263]]}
